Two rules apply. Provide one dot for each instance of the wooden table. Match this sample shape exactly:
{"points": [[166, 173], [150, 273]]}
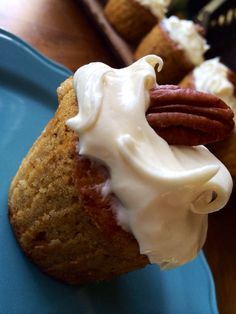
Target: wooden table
{"points": [[60, 30]]}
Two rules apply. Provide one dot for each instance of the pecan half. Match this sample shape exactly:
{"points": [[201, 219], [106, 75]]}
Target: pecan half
{"points": [[188, 117]]}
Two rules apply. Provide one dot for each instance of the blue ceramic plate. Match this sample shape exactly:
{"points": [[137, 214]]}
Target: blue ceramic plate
{"points": [[28, 84]]}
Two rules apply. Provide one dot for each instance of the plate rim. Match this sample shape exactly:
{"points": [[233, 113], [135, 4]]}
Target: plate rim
{"points": [[16, 40]]}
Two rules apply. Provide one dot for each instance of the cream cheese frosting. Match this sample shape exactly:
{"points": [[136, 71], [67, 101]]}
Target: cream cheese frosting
{"points": [[157, 7], [185, 34], [212, 77], [165, 191]]}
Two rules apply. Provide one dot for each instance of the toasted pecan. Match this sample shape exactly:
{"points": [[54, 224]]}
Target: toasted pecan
{"points": [[188, 117]]}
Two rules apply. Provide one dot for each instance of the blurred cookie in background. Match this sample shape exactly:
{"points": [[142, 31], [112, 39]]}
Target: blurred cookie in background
{"points": [[133, 19], [179, 43]]}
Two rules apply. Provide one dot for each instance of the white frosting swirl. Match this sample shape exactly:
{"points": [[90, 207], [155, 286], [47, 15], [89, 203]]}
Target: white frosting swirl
{"points": [[211, 77], [157, 7], [165, 191], [185, 34]]}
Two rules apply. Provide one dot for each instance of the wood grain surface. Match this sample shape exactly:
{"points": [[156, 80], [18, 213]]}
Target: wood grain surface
{"points": [[60, 30]]}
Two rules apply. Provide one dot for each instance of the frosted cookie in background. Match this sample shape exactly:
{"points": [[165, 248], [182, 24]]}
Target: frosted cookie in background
{"points": [[179, 43]]}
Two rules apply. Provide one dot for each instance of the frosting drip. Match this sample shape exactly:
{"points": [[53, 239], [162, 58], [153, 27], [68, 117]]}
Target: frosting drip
{"points": [[166, 191], [185, 34], [212, 77]]}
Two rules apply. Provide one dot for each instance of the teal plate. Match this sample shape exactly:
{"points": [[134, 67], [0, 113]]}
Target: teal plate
{"points": [[28, 83]]}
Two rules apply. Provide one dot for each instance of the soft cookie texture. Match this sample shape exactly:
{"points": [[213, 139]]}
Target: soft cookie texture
{"points": [[61, 218]]}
